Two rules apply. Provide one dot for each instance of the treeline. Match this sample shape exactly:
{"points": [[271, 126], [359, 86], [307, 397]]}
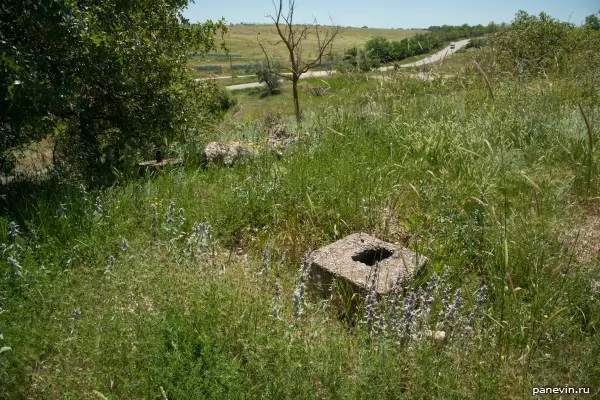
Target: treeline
{"points": [[381, 50], [465, 31]]}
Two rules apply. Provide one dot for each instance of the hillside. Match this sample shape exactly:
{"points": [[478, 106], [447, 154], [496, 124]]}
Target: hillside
{"points": [[242, 41], [197, 279]]}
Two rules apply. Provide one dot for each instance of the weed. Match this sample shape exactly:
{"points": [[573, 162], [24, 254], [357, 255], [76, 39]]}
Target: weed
{"points": [[486, 194]]}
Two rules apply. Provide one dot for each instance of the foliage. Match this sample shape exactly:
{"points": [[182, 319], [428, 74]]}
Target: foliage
{"points": [[476, 43], [451, 32], [362, 59], [213, 98], [380, 48], [389, 51], [535, 45], [109, 75], [366, 60], [350, 56], [267, 73], [593, 21], [495, 191]]}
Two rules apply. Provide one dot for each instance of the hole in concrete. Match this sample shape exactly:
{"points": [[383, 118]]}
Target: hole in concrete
{"points": [[370, 256]]}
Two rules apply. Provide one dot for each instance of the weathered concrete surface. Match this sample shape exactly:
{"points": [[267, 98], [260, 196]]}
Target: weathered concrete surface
{"points": [[353, 257]]}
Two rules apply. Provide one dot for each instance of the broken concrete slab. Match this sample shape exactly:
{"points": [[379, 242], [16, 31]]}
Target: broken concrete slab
{"points": [[352, 259]]}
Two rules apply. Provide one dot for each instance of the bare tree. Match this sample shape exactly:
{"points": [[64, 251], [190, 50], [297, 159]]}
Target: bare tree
{"points": [[293, 37]]}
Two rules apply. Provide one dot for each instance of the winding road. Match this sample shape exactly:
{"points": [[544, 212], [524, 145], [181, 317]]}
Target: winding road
{"points": [[440, 55]]}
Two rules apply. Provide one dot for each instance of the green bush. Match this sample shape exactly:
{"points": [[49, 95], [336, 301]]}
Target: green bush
{"points": [[476, 43], [380, 48], [534, 45], [267, 72], [367, 61]]}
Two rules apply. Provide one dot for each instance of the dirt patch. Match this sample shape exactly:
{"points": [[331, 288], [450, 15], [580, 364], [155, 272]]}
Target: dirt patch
{"points": [[587, 236], [584, 240], [33, 160]]}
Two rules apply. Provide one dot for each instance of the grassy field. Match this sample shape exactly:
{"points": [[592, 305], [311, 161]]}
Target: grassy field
{"points": [[242, 40], [189, 285]]}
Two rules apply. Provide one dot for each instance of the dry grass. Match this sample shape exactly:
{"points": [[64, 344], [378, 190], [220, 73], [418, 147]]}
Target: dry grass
{"points": [[33, 160], [586, 235], [36, 157], [243, 40]]}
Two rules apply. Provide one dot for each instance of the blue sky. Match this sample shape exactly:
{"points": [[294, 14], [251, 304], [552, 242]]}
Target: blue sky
{"points": [[393, 14]]}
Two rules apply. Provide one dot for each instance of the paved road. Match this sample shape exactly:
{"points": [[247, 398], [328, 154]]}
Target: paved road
{"points": [[440, 55], [309, 74]]}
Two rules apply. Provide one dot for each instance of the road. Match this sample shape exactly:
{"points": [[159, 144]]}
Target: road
{"points": [[309, 74], [440, 55]]}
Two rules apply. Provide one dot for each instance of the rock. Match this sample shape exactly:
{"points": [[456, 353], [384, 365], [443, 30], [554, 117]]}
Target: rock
{"points": [[214, 152], [226, 153]]}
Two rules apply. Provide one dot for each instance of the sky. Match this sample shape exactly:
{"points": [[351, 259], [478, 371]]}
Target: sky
{"points": [[392, 13]]}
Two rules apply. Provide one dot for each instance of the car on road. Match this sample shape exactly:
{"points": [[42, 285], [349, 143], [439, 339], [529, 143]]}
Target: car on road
{"points": [[452, 46]]}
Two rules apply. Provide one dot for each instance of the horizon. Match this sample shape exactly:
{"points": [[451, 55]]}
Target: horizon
{"points": [[387, 14]]}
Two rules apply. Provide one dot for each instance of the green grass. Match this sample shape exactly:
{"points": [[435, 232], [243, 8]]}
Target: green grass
{"points": [[490, 190]]}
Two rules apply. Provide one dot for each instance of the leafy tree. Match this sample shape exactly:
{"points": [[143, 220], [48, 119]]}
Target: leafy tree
{"points": [[592, 21], [294, 37], [108, 75], [380, 47]]}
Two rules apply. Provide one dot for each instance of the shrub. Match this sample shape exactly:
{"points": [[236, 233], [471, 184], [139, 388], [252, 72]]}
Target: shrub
{"points": [[380, 47], [267, 73], [533, 44], [476, 43], [350, 56], [216, 99], [366, 61]]}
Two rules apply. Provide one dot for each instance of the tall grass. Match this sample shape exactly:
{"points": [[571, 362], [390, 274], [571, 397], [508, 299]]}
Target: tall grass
{"points": [[488, 193]]}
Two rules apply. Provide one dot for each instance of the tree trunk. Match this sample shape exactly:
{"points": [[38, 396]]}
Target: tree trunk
{"points": [[295, 78]]}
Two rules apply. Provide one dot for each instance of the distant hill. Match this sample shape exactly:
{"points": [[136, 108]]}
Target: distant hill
{"points": [[242, 40]]}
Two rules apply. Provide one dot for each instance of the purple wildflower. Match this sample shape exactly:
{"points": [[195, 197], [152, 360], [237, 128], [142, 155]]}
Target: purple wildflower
{"points": [[111, 264]]}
